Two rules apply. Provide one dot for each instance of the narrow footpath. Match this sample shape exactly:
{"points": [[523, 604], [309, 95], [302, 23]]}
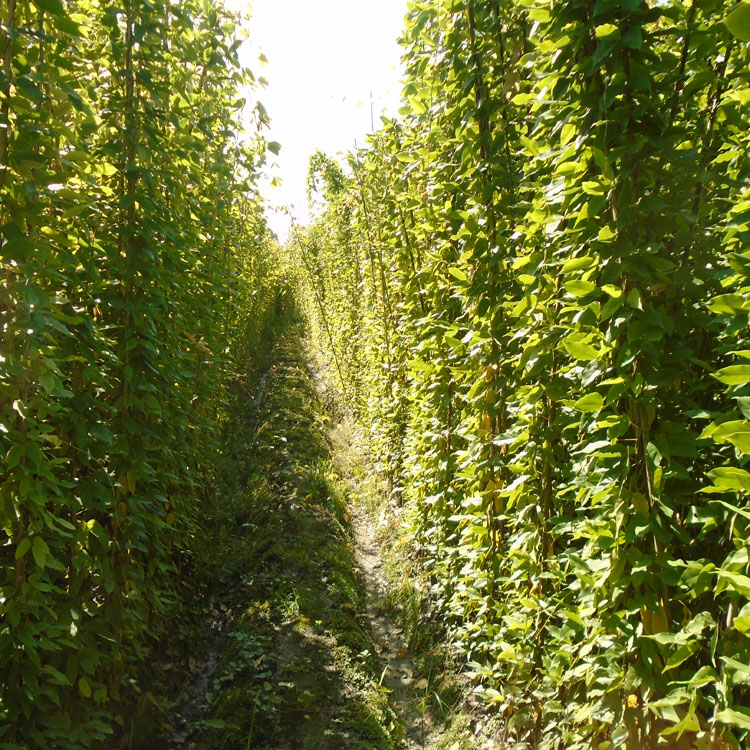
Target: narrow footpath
{"points": [[292, 646]]}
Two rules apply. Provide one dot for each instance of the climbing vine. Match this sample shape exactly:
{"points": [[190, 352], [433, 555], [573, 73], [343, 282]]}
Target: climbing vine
{"points": [[129, 217], [536, 281]]}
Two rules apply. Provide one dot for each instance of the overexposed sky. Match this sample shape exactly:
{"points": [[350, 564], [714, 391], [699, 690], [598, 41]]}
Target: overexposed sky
{"points": [[325, 57]]}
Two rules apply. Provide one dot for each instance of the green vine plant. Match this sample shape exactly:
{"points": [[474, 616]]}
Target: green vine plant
{"points": [[535, 283], [135, 270]]}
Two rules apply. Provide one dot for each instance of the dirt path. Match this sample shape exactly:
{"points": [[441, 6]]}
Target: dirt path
{"points": [[274, 650], [406, 688], [288, 639]]}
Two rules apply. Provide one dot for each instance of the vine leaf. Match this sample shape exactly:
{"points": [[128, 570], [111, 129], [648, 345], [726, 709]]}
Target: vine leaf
{"points": [[738, 21]]}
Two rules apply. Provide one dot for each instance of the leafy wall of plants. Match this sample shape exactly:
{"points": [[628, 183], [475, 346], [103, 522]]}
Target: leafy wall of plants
{"points": [[550, 251], [132, 253]]}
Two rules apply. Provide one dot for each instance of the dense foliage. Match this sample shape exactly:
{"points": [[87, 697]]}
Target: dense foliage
{"points": [[534, 288], [132, 249]]}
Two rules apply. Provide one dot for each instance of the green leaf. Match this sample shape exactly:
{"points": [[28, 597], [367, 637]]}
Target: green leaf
{"points": [[734, 375], [738, 511], [704, 676], [606, 234], [592, 188], [48, 381], [634, 299], [274, 147], [17, 248], [742, 621], [736, 432], [103, 433], [215, 723], [579, 288], [580, 350], [607, 32], [683, 653], [743, 404], [735, 582], [84, 687], [633, 38], [55, 7], [738, 717], [730, 478], [23, 547], [417, 105], [612, 290], [640, 503], [590, 403], [738, 21], [40, 551], [574, 264], [532, 147], [739, 674], [568, 132], [457, 273], [727, 304]]}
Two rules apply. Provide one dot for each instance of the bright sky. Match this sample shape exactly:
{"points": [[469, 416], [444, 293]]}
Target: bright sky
{"points": [[325, 59]]}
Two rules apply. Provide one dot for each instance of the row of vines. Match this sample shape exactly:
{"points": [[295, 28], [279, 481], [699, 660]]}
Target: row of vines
{"points": [[534, 288], [133, 255]]}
